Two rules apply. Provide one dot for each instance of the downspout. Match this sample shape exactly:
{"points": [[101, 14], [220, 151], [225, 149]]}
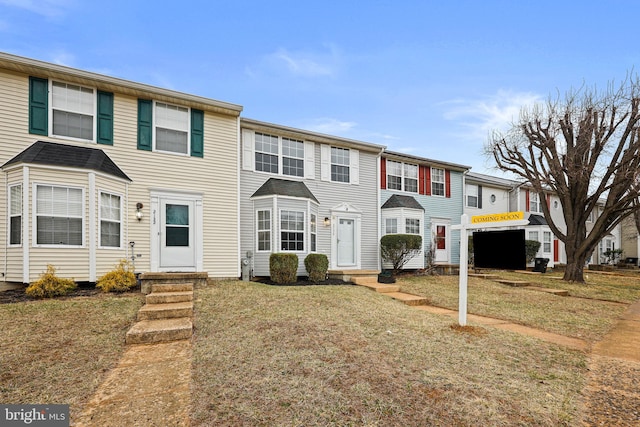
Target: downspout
{"points": [[6, 241], [378, 210], [238, 169]]}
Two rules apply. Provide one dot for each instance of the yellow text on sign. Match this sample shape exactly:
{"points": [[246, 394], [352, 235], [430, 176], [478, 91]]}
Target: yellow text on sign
{"points": [[505, 216]]}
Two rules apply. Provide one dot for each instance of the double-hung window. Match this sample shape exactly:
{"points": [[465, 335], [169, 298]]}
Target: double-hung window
{"points": [[472, 196], [266, 153], [73, 111], [172, 128], [291, 230], [15, 214], [402, 176], [534, 202], [292, 157], [394, 175], [314, 232], [391, 226], [437, 182], [264, 230], [59, 218], [110, 220], [546, 236], [340, 164], [412, 226]]}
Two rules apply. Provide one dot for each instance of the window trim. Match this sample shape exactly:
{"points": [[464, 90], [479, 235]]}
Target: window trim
{"points": [[476, 195], [546, 242], [35, 215], [305, 159], [94, 112], [301, 232], [434, 182], [407, 220], [313, 232], [533, 195], [332, 164], [403, 176], [267, 230], [119, 222], [154, 129], [10, 215]]}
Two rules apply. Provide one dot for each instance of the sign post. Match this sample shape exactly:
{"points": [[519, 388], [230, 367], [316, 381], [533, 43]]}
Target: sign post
{"points": [[507, 219]]}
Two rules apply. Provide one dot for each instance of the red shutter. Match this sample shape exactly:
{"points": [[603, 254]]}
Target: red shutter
{"points": [[527, 200], [383, 173], [447, 183], [427, 180], [549, 201], [421, 179], [556, 251]]}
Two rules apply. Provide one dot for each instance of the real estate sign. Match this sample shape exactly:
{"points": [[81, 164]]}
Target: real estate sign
{"points": [[497, 217]]}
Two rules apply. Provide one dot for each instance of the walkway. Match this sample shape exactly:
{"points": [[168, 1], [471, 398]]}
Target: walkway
{"points": [[150, 387]]}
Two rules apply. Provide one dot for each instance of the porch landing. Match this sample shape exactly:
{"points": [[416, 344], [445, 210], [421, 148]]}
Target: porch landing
{"points": [[198, 279]]}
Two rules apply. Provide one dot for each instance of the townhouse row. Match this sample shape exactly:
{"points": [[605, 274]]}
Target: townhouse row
{"points": [[98, 169]]}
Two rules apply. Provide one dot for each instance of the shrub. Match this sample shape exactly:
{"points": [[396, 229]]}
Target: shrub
{"points": [[531, 249], [398, 249], [121, 279], [49, 285], [317, 266], [283, 268]]}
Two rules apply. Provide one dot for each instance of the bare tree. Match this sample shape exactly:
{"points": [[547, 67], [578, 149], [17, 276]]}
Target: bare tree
{"points": [[586, 149]]}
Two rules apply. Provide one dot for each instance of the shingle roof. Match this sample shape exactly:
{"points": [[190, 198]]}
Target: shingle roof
{"points": [[398, 201], [54, 154], [537, 220], [284, 187]]}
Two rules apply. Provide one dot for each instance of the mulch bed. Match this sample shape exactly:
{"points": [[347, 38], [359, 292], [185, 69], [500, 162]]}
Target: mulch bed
{"points": [[18, 295]]}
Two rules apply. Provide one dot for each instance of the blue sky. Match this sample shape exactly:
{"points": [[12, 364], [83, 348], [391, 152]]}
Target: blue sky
{"points": [[429, 78]]}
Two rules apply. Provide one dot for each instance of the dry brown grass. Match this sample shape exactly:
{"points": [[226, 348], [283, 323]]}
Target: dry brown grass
{"points": [[587, 317], [343, 355], [57, 351]]}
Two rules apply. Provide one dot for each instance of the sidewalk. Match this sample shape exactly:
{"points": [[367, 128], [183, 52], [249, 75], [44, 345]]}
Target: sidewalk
{"points": [[150, 387]]}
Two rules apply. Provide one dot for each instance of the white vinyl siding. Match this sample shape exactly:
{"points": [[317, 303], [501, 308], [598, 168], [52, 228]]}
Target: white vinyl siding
{"points": [[110, 220], [72, 111], [59, 215], [171, 128], [15, 214]]}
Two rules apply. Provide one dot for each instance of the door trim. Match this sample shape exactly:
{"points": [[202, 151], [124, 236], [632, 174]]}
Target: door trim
{"points": [[155, 224], [346, 211]]}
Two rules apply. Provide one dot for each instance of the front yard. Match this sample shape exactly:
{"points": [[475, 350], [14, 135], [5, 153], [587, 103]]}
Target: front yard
{"points": [[330, 355]]}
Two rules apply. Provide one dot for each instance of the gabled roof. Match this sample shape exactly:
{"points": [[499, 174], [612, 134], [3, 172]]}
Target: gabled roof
{"points": [[537, 220], [71, 156], [284, 187], [399, 201]]}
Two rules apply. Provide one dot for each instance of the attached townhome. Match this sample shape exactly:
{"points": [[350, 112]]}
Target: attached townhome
{"points": [[425, 197], [303, 192], [486, 194], [630, 243], [98, 169]]}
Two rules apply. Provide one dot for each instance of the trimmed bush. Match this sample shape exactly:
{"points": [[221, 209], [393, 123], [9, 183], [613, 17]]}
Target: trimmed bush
{"points": [[121, 279], [531, 249], [398, 249], [283, 268], [49, 285], [317, 266]]}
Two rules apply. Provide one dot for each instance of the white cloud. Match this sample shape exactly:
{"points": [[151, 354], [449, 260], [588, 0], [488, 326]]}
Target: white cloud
{"points": [[478, 117], [47, 8], [63, 58], [305, 63], [330, 126]]}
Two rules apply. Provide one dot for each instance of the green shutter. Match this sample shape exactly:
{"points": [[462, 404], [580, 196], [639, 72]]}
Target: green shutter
{"points": [[38, 106], [105, 118], [145, 124], [197, 133]]}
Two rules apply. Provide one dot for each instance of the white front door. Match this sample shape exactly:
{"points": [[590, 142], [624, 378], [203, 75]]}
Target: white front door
{"points": [[177, 235], [441, 241], [346, 242]]}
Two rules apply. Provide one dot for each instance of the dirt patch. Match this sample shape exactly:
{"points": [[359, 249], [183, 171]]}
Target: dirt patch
{"points": [[302, 281], [471, 330]]}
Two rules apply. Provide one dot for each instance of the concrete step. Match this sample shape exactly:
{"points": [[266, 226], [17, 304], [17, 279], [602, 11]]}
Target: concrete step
{"points": [[163, 330], [168, 310], [171, 287], [381, 287], [514, 283], [164, 297], [361, 280], [559, 292], [483, 276], [408, 299]]}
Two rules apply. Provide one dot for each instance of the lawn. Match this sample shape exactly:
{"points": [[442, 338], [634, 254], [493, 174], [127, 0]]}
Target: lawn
{"points": [[331, 355], [57, 351], [343, 355]]}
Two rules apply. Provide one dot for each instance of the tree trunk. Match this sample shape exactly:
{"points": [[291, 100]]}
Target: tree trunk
{"points": [[574, 271]]}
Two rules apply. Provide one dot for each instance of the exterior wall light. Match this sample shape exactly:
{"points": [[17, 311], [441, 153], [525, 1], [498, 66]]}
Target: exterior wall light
{"points": [[139, 207], [327, 221]]}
